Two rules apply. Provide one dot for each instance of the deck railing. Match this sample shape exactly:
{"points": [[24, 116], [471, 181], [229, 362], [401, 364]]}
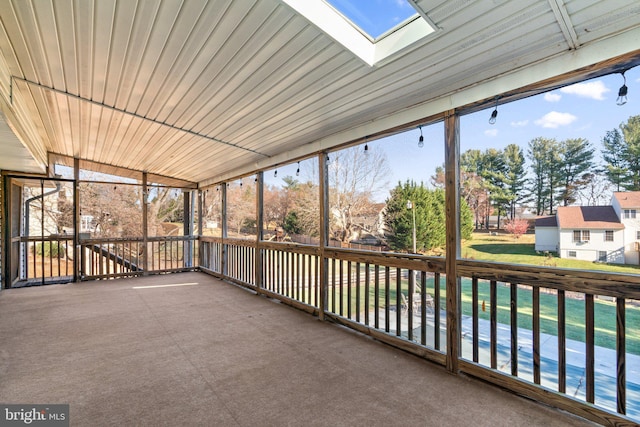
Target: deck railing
{"points": [[48, 259], [109, 258], [542, 332]]}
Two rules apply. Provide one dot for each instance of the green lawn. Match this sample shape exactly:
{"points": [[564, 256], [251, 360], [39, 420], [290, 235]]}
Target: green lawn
{"points": [[503, 248]]}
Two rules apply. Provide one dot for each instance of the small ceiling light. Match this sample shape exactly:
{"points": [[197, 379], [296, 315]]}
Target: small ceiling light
{"points": [[622, 93], [494, 114], [421, 139], [240, 183], [298, 170], [275, 174], [366, 148]]}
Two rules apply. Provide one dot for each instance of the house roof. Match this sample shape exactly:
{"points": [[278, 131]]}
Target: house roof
{"points": [[628, 199], [204, 91], [593, 217], [546, 221]]}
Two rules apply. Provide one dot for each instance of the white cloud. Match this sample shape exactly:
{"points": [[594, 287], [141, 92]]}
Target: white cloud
{"points": [[552, 97], [593, 90], [554, 120], [520, 123], [491, 132]]}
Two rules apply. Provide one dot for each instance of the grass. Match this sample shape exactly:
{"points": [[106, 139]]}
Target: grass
{"points": [[504, 248]]}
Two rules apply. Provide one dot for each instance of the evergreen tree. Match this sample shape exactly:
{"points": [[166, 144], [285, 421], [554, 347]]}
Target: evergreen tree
{"points": [[515, 179], [621, 153], [545, 167], [576, 156], [430, 217], [613, 155]]}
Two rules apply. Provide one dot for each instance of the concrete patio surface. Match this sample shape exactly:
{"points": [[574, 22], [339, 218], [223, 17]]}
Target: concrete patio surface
{"points": [[188, 349]]}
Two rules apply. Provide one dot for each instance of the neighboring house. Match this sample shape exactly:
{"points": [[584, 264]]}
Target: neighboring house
{"points": [[594, 233], [627, 207]]}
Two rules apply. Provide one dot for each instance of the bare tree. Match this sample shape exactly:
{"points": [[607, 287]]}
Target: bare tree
{"points": [[355, 178]]}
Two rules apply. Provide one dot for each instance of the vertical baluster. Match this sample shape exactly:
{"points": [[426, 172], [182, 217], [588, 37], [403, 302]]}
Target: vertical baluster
{"points": [[349, 281], [367, 303], [590, 346], [536, 334], [341, 287], [376, 296], [333, 285], [357, 292], [514, 329], [410, 290], [302, 275], [398, 302], [316, 280], [310, 273], [436, 311], [59, 272], [493, 307], [387, 298], [621, 382], [475, 314], [562, 343], [292, 274], [423, 307]]}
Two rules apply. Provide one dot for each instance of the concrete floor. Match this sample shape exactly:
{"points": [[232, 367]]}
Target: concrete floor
{"points": [[208, 353]]}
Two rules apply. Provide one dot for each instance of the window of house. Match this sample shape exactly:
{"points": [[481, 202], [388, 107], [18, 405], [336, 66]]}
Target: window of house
{"points": [[608, 236], [637, 235], [572, 254], [581, 235], [602, 256], [629, 213]]}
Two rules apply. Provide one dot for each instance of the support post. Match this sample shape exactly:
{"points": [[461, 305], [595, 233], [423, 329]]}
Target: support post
{"points": [[324, 233], [452, 202], [225, 259], [145, 231], [258, 269]]}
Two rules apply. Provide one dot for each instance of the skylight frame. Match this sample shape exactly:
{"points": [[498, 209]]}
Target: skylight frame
{"points": [[342, 30]]}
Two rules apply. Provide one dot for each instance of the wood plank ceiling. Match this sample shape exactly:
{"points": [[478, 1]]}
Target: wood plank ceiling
{"points": [[202, 90]]}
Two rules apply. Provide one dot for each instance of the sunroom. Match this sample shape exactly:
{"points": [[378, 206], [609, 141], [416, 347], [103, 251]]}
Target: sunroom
{"points": [[159, 158]]}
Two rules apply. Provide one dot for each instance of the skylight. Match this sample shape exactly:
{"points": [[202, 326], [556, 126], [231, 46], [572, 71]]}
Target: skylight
{"points": [[387, 27], [374, 17]]}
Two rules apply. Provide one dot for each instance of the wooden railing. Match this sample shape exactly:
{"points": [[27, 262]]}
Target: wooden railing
{"points": [[523, 328], [109, 258], [48, 259], [563, 333]]}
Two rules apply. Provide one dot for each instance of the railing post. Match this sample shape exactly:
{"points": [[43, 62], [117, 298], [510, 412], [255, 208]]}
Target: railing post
{"points": [[259, 229], [324, 233], [452, 202]]}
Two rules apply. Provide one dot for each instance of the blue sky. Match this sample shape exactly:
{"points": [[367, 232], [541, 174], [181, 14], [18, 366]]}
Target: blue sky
{"points": [[375, 17]]}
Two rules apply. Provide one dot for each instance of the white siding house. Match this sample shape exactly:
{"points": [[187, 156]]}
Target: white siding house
{"points": [[547, 237], [627, 208], [588, 233]]}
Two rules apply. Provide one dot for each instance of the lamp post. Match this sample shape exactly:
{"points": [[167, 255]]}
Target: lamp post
{"points": [[413, 210]]}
